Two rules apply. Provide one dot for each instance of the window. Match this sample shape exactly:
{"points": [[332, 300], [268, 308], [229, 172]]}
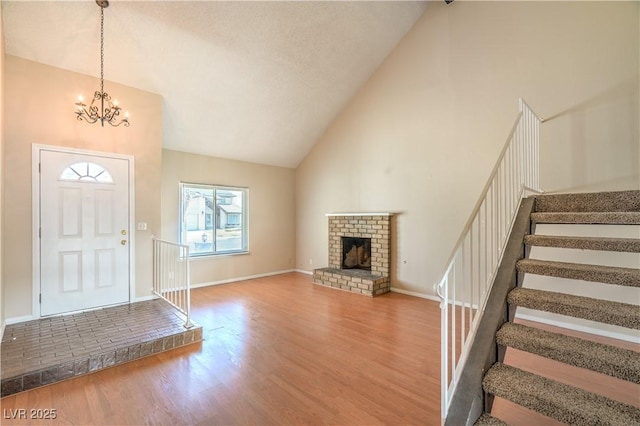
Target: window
{"points": [[86, 172], [213, 219]]}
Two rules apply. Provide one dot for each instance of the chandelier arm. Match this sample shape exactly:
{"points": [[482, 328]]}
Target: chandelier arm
{"points": [[83, 114], [125, 122]]}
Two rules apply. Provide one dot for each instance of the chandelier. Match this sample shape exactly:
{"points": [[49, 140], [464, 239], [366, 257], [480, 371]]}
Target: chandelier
{"points": [[102, 108]]}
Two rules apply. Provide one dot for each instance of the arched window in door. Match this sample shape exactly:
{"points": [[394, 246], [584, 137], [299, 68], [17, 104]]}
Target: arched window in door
{"points": [[86, 172]]}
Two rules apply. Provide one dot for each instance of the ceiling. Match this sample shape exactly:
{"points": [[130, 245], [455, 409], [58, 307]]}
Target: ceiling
{"points": [[253, 81]]}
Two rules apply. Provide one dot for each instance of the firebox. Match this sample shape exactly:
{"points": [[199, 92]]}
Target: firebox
{"points": [[356, 253]]}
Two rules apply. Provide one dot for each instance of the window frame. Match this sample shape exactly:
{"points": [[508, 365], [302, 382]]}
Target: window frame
{"points": [[244, 219]]}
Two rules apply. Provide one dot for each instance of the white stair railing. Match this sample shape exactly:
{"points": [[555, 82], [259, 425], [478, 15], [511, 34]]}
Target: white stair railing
{"points": [[171, 280], [466, 282]]}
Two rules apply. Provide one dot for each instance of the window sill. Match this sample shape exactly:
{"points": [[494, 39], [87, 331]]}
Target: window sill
{"points": [[217, 255]]}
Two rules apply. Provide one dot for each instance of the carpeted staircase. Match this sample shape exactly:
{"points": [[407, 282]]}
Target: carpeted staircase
{"points": [[560, 401]]}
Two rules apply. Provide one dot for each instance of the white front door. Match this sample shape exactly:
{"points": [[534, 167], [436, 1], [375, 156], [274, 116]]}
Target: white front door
{"points": [[84, 231]]}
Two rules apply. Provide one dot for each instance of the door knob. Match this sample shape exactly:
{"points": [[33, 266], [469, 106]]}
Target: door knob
{"points": [[123, 242]]}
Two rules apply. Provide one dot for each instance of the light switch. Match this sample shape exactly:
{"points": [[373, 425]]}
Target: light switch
{"points": [[142, 226]]}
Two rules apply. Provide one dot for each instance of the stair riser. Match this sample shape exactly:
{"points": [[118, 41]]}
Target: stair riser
{"points": [[626, 278], [579, 324], [621, 314], [581, 288], [572, 230], [583, 313], [575, 243], [587, 257]]}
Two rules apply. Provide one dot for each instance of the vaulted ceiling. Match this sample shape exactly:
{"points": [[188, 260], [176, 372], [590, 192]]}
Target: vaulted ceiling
{"points": [[254, 81]]}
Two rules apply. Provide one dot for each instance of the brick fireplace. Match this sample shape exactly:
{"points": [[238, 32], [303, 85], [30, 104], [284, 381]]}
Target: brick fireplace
{"points": [[359, 253]]}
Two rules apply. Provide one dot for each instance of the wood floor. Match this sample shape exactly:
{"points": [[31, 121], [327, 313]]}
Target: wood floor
{"points": [[279, 351]]}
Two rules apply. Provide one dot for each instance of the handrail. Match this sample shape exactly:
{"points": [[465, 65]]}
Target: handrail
{"points": [[171, 276], [470, 269]]}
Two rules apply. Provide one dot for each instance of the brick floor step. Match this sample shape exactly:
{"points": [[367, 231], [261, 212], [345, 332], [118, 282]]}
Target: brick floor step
{"points": [[127, 332], [614, 313], [629, 277], [562, 402], [631, 245], [606, 359]]}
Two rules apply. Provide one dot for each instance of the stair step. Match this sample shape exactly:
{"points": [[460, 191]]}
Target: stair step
{"points": [[613, 218], [609, 218], [606, 359], [619, 201], [489, 420], [562, 402], [604, 311], [629, 277], [631, 245]]}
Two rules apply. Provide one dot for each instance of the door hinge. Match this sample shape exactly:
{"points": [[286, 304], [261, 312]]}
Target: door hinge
{"points": [[40, 298], [39, 167], [39, 232]]}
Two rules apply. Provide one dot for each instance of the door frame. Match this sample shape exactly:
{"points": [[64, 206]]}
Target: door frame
{"points": [[35, 209]]}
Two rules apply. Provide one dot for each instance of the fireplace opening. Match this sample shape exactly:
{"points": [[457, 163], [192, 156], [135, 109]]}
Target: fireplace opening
{"points": [[356, 253]]}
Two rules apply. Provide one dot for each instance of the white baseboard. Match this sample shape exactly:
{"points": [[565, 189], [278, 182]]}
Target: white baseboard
{"points": [[16, 320], [249, 277], [415, 294], [580, 328], [302, 271], [2, 327]]}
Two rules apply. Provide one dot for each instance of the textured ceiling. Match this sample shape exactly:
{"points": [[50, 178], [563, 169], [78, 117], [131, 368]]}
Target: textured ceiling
{"points": [[254, 81]]}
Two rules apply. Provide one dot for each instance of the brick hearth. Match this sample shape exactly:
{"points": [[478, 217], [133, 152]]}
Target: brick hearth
{"points": [[376, 226]]}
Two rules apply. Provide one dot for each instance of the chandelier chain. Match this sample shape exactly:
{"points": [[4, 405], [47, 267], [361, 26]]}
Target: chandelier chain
{"points": [[102, 49]]}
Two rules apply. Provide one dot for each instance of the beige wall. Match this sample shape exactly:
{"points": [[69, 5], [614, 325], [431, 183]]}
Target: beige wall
{"points": [[40, 110], [421, 137], [2, 87], [271, 213]]}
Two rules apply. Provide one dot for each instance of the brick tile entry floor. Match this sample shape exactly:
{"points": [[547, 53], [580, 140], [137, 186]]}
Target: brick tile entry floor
{"points": [[40, 352]]}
